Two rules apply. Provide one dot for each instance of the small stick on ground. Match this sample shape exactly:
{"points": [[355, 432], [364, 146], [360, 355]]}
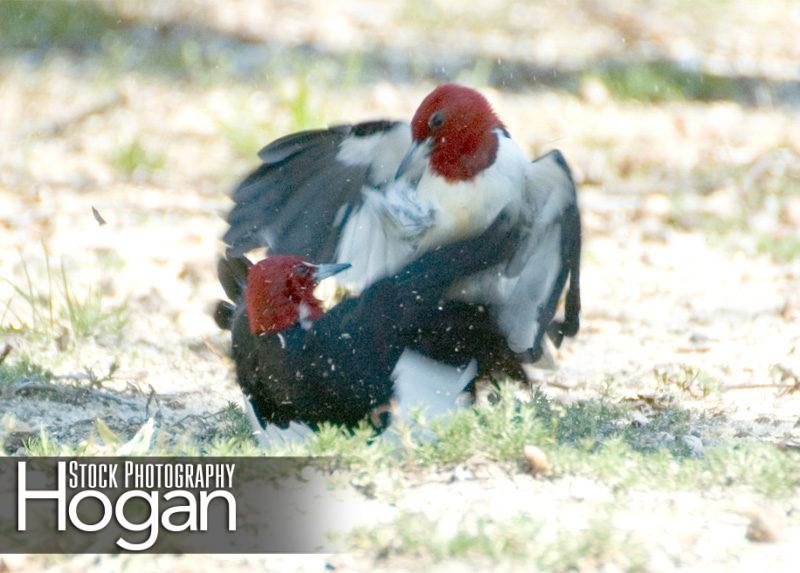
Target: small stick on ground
{"points": [[59, 126], [150, 398], [214, 351]]}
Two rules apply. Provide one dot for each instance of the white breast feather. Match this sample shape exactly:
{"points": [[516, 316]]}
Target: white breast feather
{"points": [[469, 207]]}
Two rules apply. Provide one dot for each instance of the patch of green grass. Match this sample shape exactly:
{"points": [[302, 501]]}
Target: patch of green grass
{"points": [[692, 382], [516, 538], [52, 309], [246, 141], [304, 113], [592, 439], [593, 548], [413, 534], [502, 430], [173, 58], [783, 249], [354, 68], [655, 82], [22, 369], [229, 440], [232, 426], [46, 23], [45, 445], [483, 18], [135, 160]]}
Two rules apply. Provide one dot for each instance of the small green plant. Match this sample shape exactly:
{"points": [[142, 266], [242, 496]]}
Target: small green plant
{"points": [[233, 424], [23, 369], [45, 445], [517, 538], [591, 549], [690, 381], [133, 159], [655, 82], [303, 111], [783, 249], [247, 141], [57, 311]]}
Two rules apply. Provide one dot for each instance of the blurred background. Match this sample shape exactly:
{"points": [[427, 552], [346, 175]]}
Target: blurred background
{"points": [[124, 124]]}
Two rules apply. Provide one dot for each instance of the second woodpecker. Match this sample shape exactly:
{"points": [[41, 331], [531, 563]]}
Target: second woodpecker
{"points": [[381, 193]]}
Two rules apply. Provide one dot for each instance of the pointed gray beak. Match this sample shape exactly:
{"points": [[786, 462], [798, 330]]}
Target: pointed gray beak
{"points": [[413, 164], [325, 271]]}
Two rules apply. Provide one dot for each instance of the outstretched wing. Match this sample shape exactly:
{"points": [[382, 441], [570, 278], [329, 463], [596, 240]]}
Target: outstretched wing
{"points": [[310, 184], [546, 260]]}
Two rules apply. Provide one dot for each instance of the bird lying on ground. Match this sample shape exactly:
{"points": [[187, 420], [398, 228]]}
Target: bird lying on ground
{"points": [[380, 194], [297, 363]]}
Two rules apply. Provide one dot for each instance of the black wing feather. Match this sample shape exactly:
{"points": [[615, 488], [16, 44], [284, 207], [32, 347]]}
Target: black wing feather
{"points": [[290, 202]]}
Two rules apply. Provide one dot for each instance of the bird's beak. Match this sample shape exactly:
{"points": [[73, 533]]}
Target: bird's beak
{"points": [[325, 271], [413, 164]]}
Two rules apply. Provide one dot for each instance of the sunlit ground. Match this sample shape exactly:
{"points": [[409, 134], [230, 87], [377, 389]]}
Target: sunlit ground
{"points": [[671, 428]]}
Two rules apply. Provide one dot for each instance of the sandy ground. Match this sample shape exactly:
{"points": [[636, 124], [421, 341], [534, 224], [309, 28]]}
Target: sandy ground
{"points": [[663, 291]]}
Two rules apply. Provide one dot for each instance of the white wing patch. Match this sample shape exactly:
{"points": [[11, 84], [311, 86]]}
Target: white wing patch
{"points": [[435, 387], [381, 151], [364, 244]]}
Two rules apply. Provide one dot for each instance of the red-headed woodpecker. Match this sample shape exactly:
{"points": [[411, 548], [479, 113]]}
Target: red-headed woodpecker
{"points": [[379, 194], [296, 363]]}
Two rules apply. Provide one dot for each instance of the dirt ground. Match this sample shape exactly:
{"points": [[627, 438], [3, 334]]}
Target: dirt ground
{"points": [[688, 161]]}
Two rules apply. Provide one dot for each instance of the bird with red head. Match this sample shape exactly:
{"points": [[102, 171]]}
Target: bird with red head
{"points": [[280, 292], [296, 363], [381, 194]]}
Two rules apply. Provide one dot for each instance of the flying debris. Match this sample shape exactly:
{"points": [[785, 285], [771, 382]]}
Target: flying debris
{"points": [[98, 217]]}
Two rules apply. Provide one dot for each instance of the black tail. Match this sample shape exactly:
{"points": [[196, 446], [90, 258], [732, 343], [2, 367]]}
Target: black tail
{"points": [[223, 314], [232, 273]]}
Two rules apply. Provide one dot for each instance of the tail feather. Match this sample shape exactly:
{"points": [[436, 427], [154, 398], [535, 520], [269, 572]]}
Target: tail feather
{"points": [[232, 273], [223, 314]]}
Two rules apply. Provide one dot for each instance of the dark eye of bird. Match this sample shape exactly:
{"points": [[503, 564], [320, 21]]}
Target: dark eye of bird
{"points": [[302, 270], [436, 120]]}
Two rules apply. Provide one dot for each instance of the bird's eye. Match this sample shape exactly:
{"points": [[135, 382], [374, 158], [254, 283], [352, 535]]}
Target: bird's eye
{"points": [[436, 120], [302, 270]]}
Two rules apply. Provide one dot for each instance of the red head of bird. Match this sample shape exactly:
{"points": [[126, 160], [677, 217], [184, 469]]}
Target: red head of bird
{"points": [[280, 292], [459, 123]]}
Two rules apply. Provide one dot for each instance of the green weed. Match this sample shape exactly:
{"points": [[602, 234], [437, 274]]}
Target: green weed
{"points": [[23, 369], [783, 249], [655, 82], [517, 538], [57, 311], [133, 159]]}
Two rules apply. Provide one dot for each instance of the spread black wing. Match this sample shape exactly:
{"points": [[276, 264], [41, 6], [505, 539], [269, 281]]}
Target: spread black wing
{"points": [[308, 185]]}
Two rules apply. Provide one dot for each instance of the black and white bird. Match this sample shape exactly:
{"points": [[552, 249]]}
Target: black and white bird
{"points": [[379, 194], [297, 364]]}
